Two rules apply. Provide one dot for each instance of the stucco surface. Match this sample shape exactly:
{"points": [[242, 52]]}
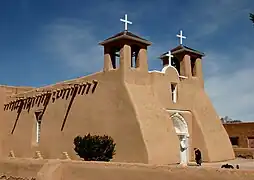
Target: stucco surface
{"points": [[65, 170], [241, 130], [20, 167], [157, 128]]}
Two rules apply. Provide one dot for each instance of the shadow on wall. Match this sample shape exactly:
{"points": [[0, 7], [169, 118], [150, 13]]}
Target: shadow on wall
{"points": [[44, 98]]}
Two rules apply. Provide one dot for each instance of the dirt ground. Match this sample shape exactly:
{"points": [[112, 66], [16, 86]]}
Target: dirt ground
{"points": [[79, 170], [245, 164]]}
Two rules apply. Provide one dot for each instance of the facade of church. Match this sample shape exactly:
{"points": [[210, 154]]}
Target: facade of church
{"points": [[156, 117]]}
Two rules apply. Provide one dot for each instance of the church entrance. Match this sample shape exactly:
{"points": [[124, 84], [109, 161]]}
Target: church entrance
{"points": [[181, 129]]}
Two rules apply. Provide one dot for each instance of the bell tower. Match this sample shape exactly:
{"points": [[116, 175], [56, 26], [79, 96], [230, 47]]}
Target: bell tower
{"points": [[187, 61], [125, 50]]}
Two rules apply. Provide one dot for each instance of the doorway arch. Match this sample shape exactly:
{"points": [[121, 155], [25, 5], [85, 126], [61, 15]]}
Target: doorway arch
{"points": [[180, 125], [181, 129]]}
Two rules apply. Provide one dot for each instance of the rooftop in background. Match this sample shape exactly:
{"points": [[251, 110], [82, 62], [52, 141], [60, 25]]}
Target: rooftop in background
{"points": [[126, 35], [232, 123]]}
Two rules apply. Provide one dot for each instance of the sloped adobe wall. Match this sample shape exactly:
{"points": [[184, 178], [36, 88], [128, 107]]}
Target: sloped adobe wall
{"points": [[157, 128], [217, 144], [107, 110]]}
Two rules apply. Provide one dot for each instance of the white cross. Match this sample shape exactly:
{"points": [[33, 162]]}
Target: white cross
{"points": [[181, 37], [169, 55], [126, 22]]}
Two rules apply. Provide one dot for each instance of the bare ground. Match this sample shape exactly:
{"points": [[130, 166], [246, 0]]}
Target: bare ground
{"points": [[245, 164]]}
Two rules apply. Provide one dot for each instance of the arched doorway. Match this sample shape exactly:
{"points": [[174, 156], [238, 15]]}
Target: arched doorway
{"points": [[182, 132]]}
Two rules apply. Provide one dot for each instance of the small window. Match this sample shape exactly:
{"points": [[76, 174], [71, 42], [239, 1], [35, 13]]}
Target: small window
{"points": [[250, 142], [174, 92], [38, 116], [234, 141]]}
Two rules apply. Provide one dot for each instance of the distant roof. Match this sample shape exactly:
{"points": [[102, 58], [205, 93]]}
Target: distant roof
{"points": [[182, 48], [126, 35], [238, 123]]}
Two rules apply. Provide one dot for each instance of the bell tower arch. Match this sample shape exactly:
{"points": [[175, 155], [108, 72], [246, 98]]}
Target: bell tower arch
{"points": [[186, 60]]}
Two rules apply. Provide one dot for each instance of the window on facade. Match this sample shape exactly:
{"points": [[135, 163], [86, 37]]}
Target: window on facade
{"points": [[174, 92], [250, 142], [38, 116], [234, 141]]}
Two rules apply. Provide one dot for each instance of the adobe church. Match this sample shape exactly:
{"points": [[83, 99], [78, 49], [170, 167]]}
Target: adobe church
{"points": [[155, 117]]}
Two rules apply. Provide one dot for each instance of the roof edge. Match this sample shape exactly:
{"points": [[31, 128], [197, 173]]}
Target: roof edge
{"points": [[182, 48], [125, 35]]}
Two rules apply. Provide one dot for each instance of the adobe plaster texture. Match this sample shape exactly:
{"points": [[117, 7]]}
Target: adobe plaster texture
{"points": [[27, 169]]}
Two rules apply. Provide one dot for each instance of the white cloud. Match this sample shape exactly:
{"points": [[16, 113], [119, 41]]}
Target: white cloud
{"points": [[73, 44], [208, 17], [232, 92]]}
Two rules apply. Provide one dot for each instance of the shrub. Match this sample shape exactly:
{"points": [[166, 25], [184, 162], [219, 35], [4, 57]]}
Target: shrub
{"points": [[94, 147]]}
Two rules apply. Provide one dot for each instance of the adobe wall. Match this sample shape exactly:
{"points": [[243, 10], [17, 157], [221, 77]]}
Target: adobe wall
{"points": [[2, 100], [20, 168], [241, 130], [12, 90], [78, 170], [157, 129], [130, 106], [208, 132], [5, 93], [247, 153], [106, 111], [127, 111]]}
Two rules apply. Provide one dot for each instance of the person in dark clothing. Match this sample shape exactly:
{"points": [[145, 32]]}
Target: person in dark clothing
{"points": [[198, 156]]}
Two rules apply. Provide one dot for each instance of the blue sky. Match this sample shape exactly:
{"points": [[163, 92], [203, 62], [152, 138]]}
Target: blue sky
{"points": [[42, 42]]}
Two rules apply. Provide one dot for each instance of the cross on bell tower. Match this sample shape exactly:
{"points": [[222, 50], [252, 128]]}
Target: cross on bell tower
{"points": [[181, 37], [126, 22], [127, 48]]}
